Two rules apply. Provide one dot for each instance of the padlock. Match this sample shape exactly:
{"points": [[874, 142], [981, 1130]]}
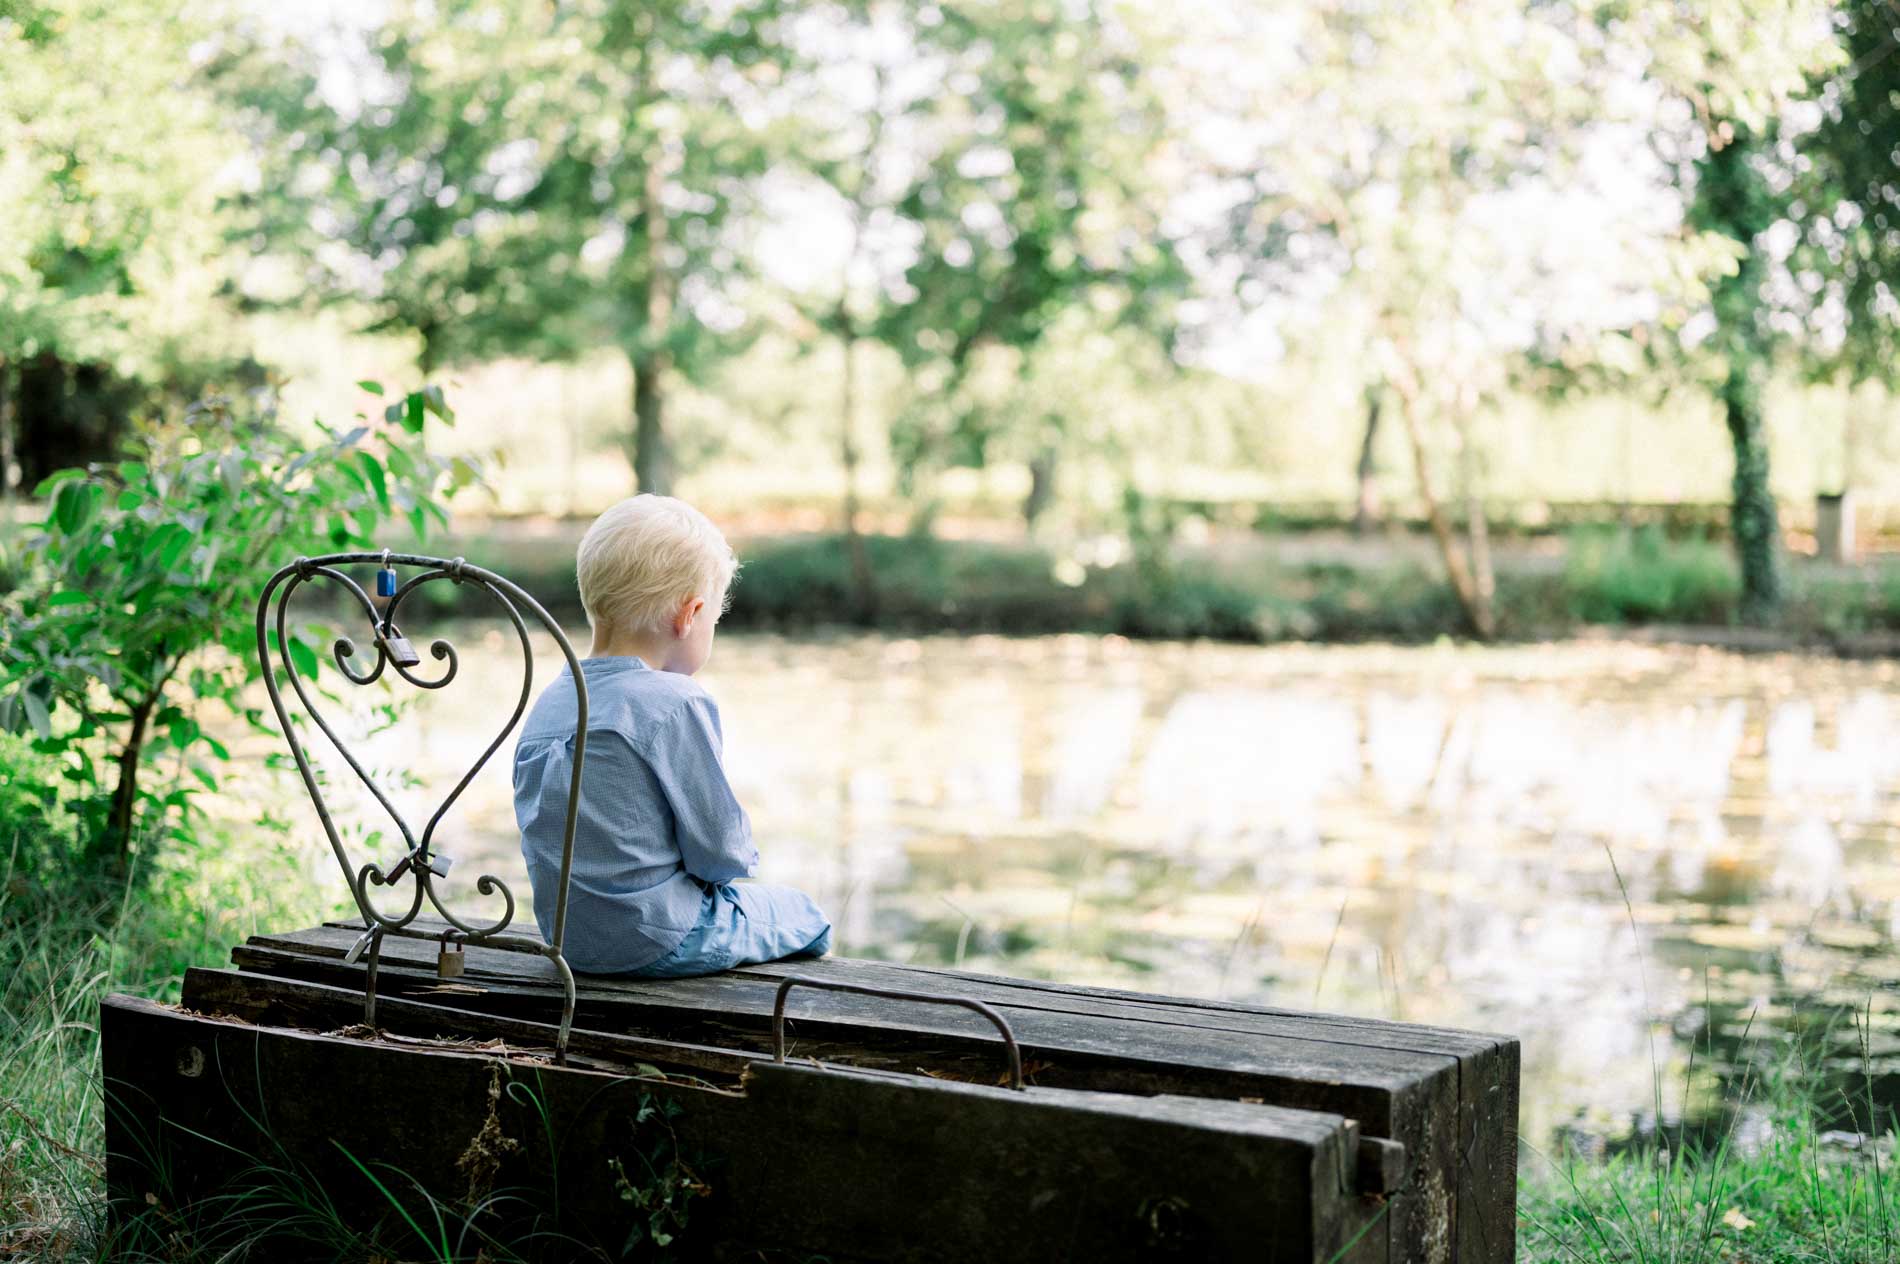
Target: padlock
{"points": [[449, 962], [386, 585], [397, 646]]}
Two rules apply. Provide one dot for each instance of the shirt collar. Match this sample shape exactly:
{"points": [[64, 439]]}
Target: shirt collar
{"points": [[613, 664]]}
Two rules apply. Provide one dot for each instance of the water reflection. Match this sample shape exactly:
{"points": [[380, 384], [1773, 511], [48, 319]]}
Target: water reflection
{"points": [[1423, 833]]}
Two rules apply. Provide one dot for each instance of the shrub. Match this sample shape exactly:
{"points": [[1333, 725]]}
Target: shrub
{"points": [[1643, 576], [137, 594]]}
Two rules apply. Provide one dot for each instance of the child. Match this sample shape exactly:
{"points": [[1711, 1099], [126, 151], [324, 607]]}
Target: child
{"points": [[659, 838]]}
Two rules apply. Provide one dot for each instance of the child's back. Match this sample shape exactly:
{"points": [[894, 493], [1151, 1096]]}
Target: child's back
{"points": [[659, 838]]}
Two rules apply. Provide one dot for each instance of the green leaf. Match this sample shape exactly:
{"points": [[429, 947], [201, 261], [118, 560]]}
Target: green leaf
{"points": [[36, 713], [204, 777], [303, 658], [414, 413], [166, 545], [374, 388], [435, 402], [69, 597], [74, 505], [379, 483], [52, 481], [402, 466]]}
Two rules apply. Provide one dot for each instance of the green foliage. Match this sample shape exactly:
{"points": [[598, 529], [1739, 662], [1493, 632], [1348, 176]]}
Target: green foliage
{"points": [[39, 833], [137, 602], [112, 252], [662, 1187], [1643, 577], [1790, 1193], [62, 947], [1847, 199], [544, 180], [927, 584]]}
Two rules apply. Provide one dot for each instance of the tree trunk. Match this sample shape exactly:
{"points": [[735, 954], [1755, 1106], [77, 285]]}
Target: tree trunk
{"points": [[1477, 527], [1042, 486], [1753, 520], [6, 432], [115, 844], [652, 456], [1366, 511], [652, 462], [861, 578], [1474, 597]]}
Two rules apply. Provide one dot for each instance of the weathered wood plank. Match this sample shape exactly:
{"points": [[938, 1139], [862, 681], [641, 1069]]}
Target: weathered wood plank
{"points": [[854, 1164], [1033, 993], [1310, 1055], [1484, 1182], [267, 1000], [1414, 1095]]}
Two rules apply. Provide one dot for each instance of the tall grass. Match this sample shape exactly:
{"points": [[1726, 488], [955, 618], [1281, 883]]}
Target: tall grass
{"points": [[65, 941], [1765, 1185], [1779, 1190]]}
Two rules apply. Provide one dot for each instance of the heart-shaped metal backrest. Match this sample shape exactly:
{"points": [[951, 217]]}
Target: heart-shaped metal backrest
{"points": [[420, 864]]}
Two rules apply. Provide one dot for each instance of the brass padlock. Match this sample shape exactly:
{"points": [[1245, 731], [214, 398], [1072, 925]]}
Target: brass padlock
{"points": [[449, 962]]}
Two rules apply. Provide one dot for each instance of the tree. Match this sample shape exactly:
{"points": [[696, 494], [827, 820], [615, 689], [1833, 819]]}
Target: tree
{"points": [[109, 271], [1035, 194], [1425, 181], [1390, 179], [1844, 273], [1732, 197], [1738, 79], [531, 179]]}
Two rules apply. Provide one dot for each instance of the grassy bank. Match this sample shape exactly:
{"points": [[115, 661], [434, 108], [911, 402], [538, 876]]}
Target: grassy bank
{"points": [[1777, 1186], [1598, 579], [63, 945], [1792, 1193]]}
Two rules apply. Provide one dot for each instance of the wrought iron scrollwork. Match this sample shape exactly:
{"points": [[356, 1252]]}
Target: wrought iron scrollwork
{"points": [[421, 864]]}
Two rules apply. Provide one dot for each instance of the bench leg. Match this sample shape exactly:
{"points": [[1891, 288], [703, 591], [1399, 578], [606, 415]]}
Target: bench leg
{"points": [[369, 981]]}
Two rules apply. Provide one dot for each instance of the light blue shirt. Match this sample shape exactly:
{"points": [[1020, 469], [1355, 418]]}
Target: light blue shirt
{"points": [[658, 822]]}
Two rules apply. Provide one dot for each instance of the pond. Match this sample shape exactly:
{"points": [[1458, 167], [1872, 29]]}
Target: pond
{"points": [[1653, 865]]}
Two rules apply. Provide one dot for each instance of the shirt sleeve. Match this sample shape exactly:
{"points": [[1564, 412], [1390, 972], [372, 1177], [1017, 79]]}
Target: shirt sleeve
{"points": [[714, 836]]}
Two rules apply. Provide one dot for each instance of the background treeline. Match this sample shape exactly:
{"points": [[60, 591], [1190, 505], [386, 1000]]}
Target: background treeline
{"points": [[1103, 270]]}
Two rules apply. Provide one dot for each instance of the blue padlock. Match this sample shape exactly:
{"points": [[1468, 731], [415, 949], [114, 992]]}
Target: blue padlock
{"points": [[386, 583]]}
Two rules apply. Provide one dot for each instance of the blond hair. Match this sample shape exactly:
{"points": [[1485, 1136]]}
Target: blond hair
{"points": [[644, 557]]}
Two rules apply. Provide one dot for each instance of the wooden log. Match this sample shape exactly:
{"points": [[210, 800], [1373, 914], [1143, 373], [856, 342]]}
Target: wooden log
{"points": [[1449, 1097], [853, 1164], [277, 1002]]}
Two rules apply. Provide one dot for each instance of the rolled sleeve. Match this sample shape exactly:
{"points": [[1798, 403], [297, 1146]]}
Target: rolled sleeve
{"points": [[714, 836]]}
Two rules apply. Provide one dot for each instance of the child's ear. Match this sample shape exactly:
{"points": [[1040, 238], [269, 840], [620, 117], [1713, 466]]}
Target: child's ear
{"points": [[690, 609]]}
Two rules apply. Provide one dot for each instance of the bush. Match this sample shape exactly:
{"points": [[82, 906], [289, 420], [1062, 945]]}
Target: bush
{"points": [[925, 584], [1645, 577], [39, 835], [1395, 603], [136, 599]]}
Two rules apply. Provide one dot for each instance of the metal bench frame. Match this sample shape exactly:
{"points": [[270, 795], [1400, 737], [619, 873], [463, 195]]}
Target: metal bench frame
{"points": [[421, 863]]}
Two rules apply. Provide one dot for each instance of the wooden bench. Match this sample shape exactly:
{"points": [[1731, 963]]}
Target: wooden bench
{"points": [[979, 1117]]}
